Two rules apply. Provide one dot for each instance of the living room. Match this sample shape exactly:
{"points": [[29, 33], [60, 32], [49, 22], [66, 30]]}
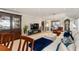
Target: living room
{"points": [[39, 29], [41, 24]]}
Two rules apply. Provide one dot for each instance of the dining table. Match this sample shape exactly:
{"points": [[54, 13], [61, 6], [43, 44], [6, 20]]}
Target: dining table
{"points": [[4, 48]]}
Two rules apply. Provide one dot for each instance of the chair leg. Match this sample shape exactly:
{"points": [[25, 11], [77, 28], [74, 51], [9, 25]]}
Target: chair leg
{"points": [[19, 45]]}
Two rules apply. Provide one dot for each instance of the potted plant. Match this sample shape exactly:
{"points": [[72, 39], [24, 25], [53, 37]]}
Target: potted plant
{"points": [[25, 29]]}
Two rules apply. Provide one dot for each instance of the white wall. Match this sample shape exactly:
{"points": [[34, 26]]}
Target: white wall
{"points": [[27, 20], [77, 24], [61, 17]]}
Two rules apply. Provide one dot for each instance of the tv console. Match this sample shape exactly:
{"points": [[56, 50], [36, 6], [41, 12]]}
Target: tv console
{"points": [[30, 32], [34, 28]]}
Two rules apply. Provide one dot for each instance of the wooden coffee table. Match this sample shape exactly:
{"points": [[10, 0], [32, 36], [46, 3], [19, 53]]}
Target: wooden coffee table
{"points": [[4, 48]]}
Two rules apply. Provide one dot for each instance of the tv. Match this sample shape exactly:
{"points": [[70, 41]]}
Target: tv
{"points": [[34, 26]]}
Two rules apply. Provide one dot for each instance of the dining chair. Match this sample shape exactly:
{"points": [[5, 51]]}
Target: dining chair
{"points": [[26, 42], [7, 40]]}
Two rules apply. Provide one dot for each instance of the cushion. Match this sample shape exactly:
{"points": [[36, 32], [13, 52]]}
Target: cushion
{"points": [[66, 34]]}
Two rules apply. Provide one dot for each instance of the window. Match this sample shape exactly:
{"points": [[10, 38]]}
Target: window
{"points": [[4, 22], [55, 24], [16, 22]]}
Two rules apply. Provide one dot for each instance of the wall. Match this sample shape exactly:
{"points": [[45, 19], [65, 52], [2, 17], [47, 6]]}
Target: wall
{"points": [[77, 24], [61, 17], [27, 20]]}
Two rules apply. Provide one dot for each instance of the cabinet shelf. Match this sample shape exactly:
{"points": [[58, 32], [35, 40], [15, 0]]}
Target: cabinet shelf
{"points": [[10, 23]]}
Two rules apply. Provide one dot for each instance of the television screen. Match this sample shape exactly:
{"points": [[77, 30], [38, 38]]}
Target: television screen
{"points": [[34, 26]]}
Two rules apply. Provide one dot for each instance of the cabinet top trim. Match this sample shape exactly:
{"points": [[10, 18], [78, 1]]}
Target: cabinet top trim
{"points": [[10, 13]]}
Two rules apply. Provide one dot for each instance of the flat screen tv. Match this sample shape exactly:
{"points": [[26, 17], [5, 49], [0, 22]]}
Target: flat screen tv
{"points": [[35, 26]]}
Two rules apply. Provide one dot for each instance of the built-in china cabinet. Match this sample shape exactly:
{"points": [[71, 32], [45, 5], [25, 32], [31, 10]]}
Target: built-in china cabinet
{"points": [[10, 23]]}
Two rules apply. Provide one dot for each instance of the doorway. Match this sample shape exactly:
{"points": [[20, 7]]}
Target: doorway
{"points": [[67, 25], [42, 25]]}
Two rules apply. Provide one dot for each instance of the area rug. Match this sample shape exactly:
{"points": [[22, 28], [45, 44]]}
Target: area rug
{"points": [[41, 43]]}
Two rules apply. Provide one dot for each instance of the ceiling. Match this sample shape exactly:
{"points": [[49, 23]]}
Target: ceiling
{"points": [[41, 12]]}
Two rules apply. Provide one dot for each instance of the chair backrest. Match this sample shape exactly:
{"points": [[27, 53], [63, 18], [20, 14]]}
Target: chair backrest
{"points": [[7, 39], [25, 46]]}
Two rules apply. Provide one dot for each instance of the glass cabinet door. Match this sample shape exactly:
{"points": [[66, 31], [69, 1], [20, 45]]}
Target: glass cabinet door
{"points": [[16, 23], [4, 22]]}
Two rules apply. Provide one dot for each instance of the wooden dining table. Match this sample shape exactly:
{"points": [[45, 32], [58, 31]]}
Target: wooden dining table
{"points": [[4, 48]]}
